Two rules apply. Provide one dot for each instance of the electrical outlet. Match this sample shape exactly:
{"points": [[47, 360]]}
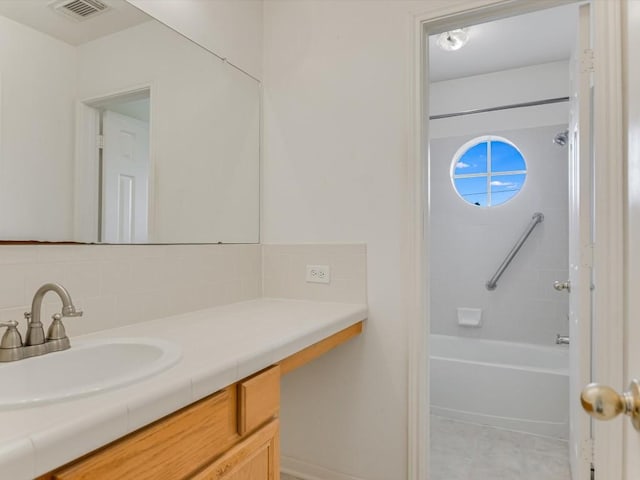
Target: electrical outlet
{"points": [[318, 274]]}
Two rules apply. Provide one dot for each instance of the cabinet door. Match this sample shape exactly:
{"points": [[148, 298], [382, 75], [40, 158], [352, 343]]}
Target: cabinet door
{"points": [[255, 458], [169, 449]]}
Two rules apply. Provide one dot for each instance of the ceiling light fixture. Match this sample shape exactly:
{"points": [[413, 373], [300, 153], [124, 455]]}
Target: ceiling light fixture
{"points": [[453, 40]]}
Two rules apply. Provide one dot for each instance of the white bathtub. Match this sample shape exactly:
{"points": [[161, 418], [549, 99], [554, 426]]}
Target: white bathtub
{"points": [[515, 386]]}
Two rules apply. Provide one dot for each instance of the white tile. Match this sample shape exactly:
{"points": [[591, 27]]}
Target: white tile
{"points": [[16, 314], [82, 279], [19, 254], [156, 403], [18, 460], [124, 284], [549, 467], [64, 253], [129, 309], [453, 440], [155, 305], [497, 468], [248, 365], [12, 285], [115, 277], [103, 425], [284, 272], [551, 446], [251, 287], [99, 313], [158, 252], [470, 452], [203, 384], [503, 442], [147, 274], [449, 466], [348, 266], [38, 274], [468, 244]]}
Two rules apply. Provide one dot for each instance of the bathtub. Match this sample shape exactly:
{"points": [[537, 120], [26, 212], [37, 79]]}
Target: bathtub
{"points": [[515, 386]]}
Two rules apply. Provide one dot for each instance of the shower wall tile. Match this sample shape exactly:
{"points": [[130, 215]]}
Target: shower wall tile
{"points": [[285, 272], [468, 243], [121, 284]]}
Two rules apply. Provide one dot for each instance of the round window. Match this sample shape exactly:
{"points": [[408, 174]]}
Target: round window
{"points": [[488, 171]]}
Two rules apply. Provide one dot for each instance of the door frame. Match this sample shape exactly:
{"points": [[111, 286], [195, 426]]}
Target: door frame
{"points": [[631, 13], [86, 200], [608, 254]]}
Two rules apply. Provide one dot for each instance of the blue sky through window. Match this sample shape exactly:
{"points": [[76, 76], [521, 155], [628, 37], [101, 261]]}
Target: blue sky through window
{"points": [[505, 158], [505, 187], [489, 173], [473, 160], [473, 190]]}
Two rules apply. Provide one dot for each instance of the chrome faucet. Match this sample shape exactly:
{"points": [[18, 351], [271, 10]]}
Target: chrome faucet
{"points": [[35, 343]]}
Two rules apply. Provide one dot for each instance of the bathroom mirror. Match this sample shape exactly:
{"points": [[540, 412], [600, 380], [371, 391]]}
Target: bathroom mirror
{"points": [[116, 129]]}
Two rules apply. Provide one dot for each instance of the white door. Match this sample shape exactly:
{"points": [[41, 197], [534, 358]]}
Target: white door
{"points": [[125, 179], [580, 248]]}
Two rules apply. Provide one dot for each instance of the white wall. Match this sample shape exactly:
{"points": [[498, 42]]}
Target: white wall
{"points": [[527, 84], [336, 134], [205, 118], [229, 28], [468, 243], [36, 190]]}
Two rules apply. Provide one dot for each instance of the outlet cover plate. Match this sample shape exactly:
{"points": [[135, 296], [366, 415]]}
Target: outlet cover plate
{"points": [[318, 274]]}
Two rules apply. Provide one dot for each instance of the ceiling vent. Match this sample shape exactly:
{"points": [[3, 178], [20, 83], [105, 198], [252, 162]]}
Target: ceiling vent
{"points": [[80, 9]]}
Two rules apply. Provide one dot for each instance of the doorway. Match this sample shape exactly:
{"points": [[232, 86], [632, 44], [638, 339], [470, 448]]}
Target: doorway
{"points": [[496, 174], [116, 168], [607, 370]]}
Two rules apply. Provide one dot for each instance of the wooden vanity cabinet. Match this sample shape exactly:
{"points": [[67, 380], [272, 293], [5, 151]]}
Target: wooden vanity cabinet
{"points": [[232, 434], [256, 458], [218, 437]]}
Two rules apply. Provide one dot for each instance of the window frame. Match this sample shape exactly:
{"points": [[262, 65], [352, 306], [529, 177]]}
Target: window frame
{"points": [[488, 139]]}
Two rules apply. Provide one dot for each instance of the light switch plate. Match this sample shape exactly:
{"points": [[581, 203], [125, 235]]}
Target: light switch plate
{"points": [[318, 274]]}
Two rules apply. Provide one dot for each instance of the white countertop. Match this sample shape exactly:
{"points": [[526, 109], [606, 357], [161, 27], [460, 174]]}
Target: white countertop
{"points": [[220, 346]]}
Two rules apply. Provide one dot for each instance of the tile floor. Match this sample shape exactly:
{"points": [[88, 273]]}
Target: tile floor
{"points": [[463, 451]]}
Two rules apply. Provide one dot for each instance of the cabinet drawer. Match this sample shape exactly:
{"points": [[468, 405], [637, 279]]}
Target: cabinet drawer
{"points": [[258, 399], [171, 448], [257, 457]]}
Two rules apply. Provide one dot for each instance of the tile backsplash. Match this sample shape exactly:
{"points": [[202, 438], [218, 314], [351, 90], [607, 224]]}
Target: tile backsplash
{"points": [[284, 272], [121, 284], [117, 285]]}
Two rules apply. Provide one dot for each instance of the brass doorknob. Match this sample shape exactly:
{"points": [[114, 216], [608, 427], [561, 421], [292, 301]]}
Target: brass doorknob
{"points": [[604, 403], [560, 286]]}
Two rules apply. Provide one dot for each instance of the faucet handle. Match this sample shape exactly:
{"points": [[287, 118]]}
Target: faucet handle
{"points": [[56, 329], [11, 338]]}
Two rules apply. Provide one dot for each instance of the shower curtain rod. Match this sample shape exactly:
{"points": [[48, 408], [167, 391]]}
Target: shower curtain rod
{"points": [[501, 107]]}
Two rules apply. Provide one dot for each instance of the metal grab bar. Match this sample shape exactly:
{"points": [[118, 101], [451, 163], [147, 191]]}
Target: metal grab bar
{"points": [[535, 220]]}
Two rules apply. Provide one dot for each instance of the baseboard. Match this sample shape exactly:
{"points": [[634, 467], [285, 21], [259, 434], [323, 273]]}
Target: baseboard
{"points": [[307, 471]]}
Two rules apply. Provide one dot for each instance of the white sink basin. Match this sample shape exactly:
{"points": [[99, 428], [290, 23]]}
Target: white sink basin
{"points": [[88, 367]]}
